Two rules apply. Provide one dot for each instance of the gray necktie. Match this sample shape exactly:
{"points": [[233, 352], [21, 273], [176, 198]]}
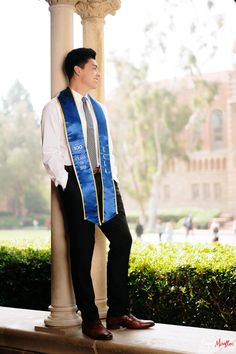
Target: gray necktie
{"points": [[90, 134]]}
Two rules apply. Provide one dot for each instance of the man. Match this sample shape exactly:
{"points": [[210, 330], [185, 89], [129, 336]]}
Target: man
{"points": [[188, 224], [77, 153]]}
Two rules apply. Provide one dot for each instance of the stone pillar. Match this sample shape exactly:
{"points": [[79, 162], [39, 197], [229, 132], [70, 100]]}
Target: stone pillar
{"points": [[63, 308], [62, 12], [93, 13]]}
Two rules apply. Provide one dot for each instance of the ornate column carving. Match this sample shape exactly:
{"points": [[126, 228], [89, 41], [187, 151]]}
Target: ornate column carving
{"points": [[61, 2], [97, 8]]}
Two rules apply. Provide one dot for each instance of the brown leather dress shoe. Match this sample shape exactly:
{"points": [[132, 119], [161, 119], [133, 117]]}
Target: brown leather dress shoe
{"points": [[96, 330], [128, 321]]}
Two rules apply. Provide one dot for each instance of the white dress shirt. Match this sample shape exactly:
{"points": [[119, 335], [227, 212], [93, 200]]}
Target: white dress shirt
{"points": [[54, 146]]}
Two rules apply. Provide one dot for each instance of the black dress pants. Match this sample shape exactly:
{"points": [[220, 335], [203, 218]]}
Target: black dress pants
{"points": [[81, 244]]}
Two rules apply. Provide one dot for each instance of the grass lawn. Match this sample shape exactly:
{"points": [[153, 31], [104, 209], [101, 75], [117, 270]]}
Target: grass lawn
{"points": [[24, 238]]}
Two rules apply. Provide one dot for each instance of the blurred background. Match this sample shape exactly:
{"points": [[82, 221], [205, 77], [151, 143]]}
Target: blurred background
{"points": [[170, 83]]}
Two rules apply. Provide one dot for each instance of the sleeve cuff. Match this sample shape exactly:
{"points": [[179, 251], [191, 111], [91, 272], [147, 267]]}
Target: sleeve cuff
{"points": [[62, 181]]}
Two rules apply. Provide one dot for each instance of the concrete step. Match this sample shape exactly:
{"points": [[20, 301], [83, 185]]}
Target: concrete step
{"points": [[18, 336]]}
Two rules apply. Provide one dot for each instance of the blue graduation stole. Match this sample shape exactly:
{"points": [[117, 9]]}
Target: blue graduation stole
{"points": [[81, 161]]}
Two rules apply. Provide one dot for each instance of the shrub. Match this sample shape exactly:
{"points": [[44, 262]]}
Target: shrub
{"points": [[180, 284], [184, 284], [201, 217], [25, 278], [132, 217], [9, 221], [5, 213]]}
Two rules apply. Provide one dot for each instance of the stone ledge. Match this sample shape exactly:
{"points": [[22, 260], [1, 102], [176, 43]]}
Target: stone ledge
{"points": [[18, 336]]}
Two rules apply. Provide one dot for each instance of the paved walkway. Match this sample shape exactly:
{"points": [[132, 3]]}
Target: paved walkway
{"points": [[196, 236]]}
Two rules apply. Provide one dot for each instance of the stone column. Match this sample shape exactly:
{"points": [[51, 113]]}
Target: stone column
{"points": [[62, 12], [63, 308], [93, 13]]}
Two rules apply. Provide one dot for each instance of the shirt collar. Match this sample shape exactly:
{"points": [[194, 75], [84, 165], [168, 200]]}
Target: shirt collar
{"points": [[78, 95]]}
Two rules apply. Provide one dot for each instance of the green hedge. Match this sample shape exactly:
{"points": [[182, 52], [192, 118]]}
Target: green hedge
{"points": [[180, 284], [10, 221], [185, 284], [24, 278]]}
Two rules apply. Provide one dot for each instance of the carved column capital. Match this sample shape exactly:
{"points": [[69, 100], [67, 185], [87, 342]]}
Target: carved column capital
{"points": [[61, 2], [96, 8]]}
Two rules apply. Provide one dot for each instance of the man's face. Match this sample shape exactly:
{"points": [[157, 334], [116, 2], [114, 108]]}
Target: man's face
{"points": [[89, 75]]}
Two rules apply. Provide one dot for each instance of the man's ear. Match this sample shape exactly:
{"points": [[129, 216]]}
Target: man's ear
{"points": [[77, 70]]}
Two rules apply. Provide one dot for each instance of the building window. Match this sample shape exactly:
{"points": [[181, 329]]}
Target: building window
{"points": [[217, 191], [200, 165], [217, 129], [195, 191], [166, 192], [206, 191], [212, 164], [224, 163]]}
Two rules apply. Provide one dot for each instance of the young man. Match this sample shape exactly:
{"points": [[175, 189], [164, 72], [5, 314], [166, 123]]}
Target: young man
{"points": [[77, 153]]}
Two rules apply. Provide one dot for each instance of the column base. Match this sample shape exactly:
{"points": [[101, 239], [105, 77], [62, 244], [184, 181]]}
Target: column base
{"points": [[72, 330], [63, 317]]}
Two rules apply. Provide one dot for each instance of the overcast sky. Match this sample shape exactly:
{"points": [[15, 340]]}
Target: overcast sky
{"points": [[25, 41]]}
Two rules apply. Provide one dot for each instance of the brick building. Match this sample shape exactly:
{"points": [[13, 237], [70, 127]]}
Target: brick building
{"points": [[208, 178]]}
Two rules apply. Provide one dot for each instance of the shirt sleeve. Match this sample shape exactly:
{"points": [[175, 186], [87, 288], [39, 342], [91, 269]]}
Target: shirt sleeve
{"points": [[51, 154]]}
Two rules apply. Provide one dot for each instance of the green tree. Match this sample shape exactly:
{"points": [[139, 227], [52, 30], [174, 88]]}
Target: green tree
{"points": [[149, 121], [149, 127], [20, 156], [150, 118]]}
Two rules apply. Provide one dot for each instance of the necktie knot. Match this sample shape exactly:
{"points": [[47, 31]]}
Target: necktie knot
{"points": [[84, 99]]}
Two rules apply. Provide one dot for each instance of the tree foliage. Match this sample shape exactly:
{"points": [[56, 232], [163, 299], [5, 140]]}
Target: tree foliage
{"points": [[150, 118], [20, 156], [148, 126]]}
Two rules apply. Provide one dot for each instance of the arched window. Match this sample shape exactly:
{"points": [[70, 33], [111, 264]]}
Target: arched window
{"points": [[217, 129]]}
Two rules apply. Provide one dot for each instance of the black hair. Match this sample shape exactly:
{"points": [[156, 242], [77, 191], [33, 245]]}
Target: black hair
{"points": [[77, 57]]}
